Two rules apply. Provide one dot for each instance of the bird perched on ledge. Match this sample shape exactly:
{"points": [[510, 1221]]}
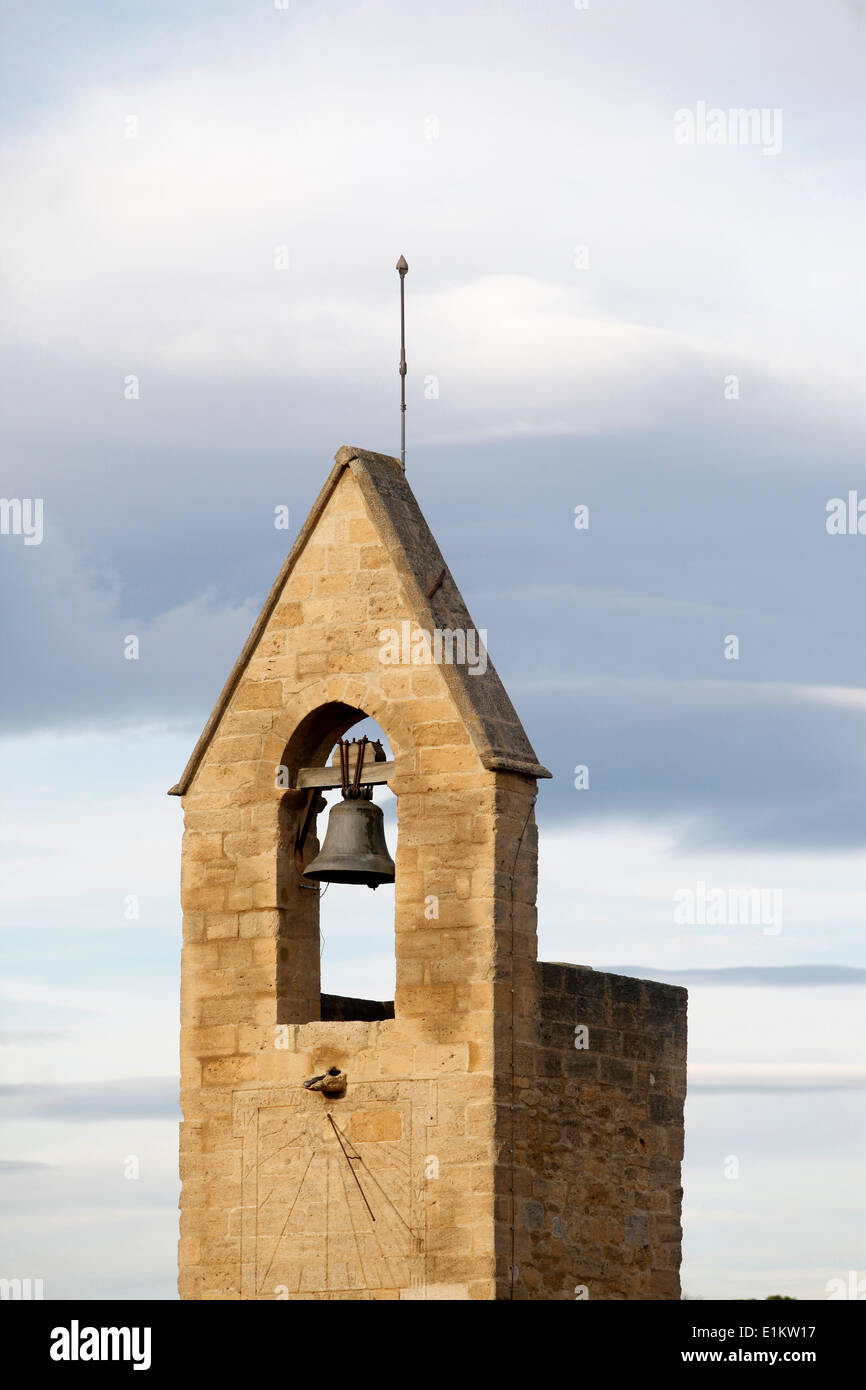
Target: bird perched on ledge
{"points": [[331, 1082]]}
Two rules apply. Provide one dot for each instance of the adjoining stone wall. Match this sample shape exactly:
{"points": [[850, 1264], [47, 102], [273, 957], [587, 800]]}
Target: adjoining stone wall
{"points": [[341, 1008], [599, 1140]]}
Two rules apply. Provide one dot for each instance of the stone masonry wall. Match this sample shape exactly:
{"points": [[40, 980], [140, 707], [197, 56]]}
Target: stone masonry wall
{"points": [[600, 1140], [256, 1222], [401, 1188]]}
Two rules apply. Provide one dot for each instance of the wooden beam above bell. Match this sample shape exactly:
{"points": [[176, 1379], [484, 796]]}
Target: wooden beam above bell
{"points": [[374, 771], [328, 778]]}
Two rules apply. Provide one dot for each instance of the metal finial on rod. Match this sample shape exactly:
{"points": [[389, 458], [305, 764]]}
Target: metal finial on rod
{"points": [[402, 268]]}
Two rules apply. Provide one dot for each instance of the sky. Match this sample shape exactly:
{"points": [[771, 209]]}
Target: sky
{"points": [[203, 206]]}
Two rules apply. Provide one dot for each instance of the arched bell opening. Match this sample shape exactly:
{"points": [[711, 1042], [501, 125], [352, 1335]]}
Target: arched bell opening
{"points": [[336, 937]]}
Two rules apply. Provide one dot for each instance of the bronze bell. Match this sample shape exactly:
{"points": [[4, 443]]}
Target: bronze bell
{"points": [[354, 850]]}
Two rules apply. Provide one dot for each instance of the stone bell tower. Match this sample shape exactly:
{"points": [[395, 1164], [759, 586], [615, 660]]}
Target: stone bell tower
{"points": [[504, 1129]]}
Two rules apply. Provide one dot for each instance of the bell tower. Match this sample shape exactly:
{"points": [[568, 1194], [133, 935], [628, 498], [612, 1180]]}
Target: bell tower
{"points": [[503, 1129]]}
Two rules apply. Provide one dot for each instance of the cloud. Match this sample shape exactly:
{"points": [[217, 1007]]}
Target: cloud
{"points": [[78, 621], [82, 1198], [132, 1098], [797, 1192], [169, 237], [16, 1037], [127, 1028], [764, 977], [727, 760], [729, 764], [81, 1000], [608, 892], [759, 1076], [558, 383]]}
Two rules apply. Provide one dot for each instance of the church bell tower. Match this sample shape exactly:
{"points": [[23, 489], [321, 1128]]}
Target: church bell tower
{"points": [[505, 1129]]}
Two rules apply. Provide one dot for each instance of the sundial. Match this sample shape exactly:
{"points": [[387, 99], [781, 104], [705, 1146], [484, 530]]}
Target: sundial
{"points": [[334, 1190]]}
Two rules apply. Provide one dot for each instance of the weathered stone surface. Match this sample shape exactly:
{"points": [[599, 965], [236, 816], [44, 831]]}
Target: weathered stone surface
{"points": [[598, 1146], [468, 1110]]}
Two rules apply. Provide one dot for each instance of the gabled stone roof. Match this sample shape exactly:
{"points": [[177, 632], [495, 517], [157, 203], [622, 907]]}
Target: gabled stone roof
{"points": [[489, 716]]}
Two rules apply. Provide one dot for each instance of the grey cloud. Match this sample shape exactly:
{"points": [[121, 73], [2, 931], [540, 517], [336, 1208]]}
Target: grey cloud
{"points": [[743, 1086], [86, 1231], [770, 976], [610, 641], [69, 633], [707, 515], [140, 1098], [16, 1037], [734, 766]]}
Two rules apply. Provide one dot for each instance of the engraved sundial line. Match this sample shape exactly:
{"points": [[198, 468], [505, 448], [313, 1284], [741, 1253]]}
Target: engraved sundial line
{"points": [[381, 1250], [383, 1189], [394, 1161], [390, 1236], [385, 1258], [385, 1194], [258, 1162], [266, 1158], [332, 1122], [277, 1176], [364, 1275], [382, 1259], [395, 1149], [288, 1217]]}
